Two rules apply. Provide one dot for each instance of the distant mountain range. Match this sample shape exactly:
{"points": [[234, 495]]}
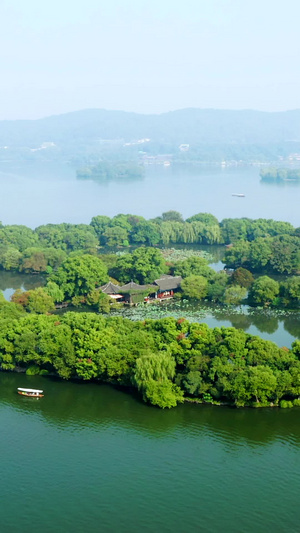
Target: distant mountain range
{"points": [[182, 126], [81, 131]]}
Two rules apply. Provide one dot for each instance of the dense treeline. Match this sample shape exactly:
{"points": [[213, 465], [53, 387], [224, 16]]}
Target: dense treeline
{"points": [[280, 174], [45, 248], [167, 360], [78, 279], [69, 255], [280, 254], [112, 171]]}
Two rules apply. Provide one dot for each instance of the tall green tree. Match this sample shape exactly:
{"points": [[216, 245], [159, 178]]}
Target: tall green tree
{"points": [[39, 301], [263, 291], [194, 265], [143, 266], [242, 277], [172, 216], [234, 295], [11, 259], [153, 375], [80, 275], [290, 291], [195, 287], [54, 291]]}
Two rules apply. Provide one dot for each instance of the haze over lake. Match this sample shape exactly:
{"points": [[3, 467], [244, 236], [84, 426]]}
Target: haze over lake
{"points": [[38, 193]]}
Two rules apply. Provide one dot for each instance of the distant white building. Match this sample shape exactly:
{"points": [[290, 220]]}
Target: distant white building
{"points": [[294, 157], [44, 146], [47, 145], [184, 147], [139, 141]]}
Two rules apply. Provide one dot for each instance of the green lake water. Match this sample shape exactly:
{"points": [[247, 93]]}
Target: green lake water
{"points": [[87, 457]]}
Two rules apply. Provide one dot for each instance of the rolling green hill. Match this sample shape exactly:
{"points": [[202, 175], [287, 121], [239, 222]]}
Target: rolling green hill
{"points": [[223, 131]]}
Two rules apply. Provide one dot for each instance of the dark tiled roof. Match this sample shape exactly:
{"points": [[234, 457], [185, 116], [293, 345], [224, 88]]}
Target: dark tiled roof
{"points": [[164, 283], [110, 288], [168, 283], [135, 287]]}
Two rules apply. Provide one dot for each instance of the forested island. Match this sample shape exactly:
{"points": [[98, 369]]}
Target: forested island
{"points": [[112, 171], [280, 174], [168, 361], [71, 258], [258, 244]]}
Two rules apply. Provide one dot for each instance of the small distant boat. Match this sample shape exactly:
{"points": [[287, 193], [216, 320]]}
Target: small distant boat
{"points": [[33, 393], [238, 195]]}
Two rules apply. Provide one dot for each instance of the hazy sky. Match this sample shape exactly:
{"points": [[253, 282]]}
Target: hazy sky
{"points": [[148, 56]]}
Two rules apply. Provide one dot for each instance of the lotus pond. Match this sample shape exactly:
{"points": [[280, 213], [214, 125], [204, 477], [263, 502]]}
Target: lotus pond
{"points": [[281, 327]]}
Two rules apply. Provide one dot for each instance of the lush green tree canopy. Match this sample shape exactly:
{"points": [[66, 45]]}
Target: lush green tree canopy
{"points": [[195, 287], [194, 265], [80, 275], [234, 295], [143, 266], [263, 291], [166, 359], [242, 277]]}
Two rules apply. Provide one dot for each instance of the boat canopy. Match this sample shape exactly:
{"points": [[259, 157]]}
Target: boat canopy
{"points": [[30, 390]]}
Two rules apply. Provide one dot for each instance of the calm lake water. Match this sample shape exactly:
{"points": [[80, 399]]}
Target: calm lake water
{"points": [[38, 193], [11, 281], [283, 328], [89, 458]]}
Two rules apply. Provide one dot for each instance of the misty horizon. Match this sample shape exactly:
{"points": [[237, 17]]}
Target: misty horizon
{"points": [[149, 59], [140, 113]]}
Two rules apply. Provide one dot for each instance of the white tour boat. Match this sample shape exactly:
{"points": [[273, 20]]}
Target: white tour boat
{"points": [[33, 393]]}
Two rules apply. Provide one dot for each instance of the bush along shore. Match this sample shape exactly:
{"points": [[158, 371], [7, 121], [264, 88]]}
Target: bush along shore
{"points": [[168, 361]]}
